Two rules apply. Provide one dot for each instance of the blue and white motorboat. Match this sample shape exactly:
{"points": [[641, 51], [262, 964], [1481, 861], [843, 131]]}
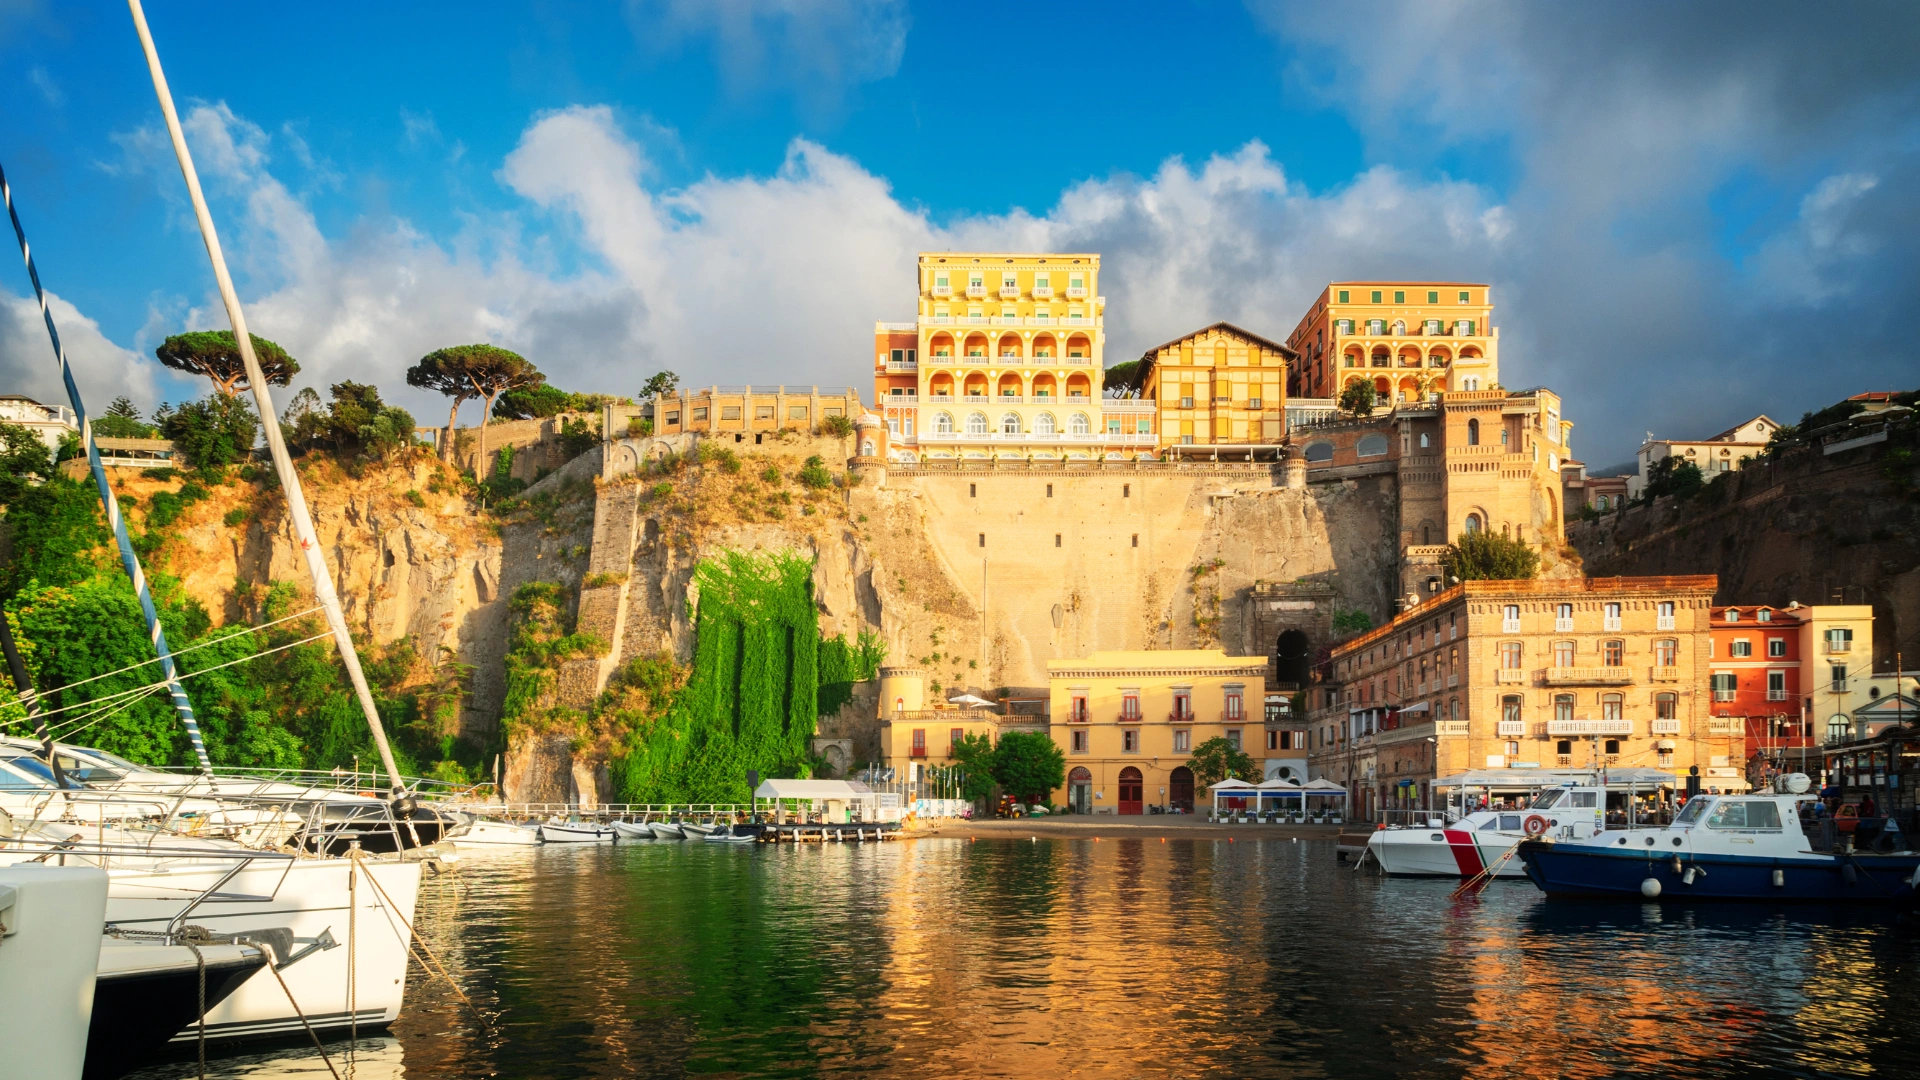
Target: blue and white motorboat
{"points": [[1726, 847]]}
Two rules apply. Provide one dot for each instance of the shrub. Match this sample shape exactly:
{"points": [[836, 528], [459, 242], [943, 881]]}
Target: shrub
{"points": [[837, 426], [356, 421], [814, 473], [602, 580], [1357, 399], [1483, 555], [416, 499], [216, 430], [639, 427], [235, 517], [771, 474]]}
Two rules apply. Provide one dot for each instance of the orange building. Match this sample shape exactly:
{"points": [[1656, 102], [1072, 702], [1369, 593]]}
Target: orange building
{"points": [[1409, 338]]}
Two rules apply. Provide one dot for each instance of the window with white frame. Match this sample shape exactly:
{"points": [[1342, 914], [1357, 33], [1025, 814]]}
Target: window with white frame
{"points": [[1666, 616], [1725, 685], [1776, 647], [1563, 617], [1613, 617], [1740, 649], [1182, 741], [1510, 619], [1776, 686]]}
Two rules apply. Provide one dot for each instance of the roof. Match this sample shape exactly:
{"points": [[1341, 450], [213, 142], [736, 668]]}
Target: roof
{"points": [[1469, 284], [1230, 328], [810, 789], [1727, 435]]}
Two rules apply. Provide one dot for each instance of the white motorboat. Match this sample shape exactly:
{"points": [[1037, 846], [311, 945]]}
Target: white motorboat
{"points": [[735, 834], [576, 832], [632, 830], [494, 834], [698, 831], [1486, 842], [666, 830]]}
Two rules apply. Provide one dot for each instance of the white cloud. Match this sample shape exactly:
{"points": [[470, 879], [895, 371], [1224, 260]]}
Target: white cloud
{"points": [[102, 369], [50, 91]]}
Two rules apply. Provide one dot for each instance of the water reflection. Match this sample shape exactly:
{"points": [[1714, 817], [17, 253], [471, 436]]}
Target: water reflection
{"points": [[1124, 958]]}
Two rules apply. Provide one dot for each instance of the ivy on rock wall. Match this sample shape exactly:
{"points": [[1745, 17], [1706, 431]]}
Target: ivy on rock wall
{"points": [[760, 679], [542, 641]]}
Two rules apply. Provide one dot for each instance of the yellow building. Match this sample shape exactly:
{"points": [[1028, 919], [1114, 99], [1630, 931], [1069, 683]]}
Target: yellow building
{"points": [[916, 734], [1005, 360], [1218, 391], [1836, 666], [1128, 722], [1409, 338], [1528, 674]]}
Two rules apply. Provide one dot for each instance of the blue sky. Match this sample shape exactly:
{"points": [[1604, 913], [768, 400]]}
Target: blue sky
{"points": [[1690, 215]]}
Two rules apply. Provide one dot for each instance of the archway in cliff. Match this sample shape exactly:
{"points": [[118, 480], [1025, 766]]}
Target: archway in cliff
{"points": [[1293, 659]]}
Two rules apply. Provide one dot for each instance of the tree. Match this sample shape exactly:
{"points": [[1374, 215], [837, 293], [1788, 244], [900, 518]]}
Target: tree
{"points": [[545, 400], [465, 371], [1481, 555], [1673, 476], [974, 755], [1123, 376], [1357, 398], [356, 420], [122, 421], [1216, 759], [1028, 765], [217, 430], [24, 460], [212, 353], [660, 382]]}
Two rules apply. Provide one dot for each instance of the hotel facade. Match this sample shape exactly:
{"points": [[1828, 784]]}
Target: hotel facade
{"points": [[1408, 338]]}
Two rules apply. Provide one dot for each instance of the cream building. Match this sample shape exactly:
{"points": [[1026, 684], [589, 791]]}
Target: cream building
{"points": [[1128, 722], [1005, 360], [1836, 666], [1219, 391], [1720, 453], [1408, 338]]}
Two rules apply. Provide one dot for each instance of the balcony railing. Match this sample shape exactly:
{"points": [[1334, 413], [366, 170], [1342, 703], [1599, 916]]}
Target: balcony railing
{"points": [[1561, 626], [1664, 622], [1507, 676], [1179, 718], [1663, 673], [1009, 292], [977, 291], [943, 290], [1043, 292], [1589, 727], [1512, 728], [1076, 292], [918, 751], [903, 365], [1839, 646], [1666, 727], [1586, 676], [1776, 695], [1079, 716], [1232, 717]]}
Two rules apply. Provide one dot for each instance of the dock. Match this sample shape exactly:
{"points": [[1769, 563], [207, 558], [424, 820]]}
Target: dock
{"points": [[855, 833]]}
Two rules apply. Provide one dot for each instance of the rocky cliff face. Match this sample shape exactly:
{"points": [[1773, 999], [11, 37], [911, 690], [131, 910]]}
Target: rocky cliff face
{"points": [[1817, 528]]}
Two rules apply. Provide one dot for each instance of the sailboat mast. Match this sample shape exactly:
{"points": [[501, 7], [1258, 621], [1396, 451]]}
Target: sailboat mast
{"points": [[129, 559], [269, 419]]}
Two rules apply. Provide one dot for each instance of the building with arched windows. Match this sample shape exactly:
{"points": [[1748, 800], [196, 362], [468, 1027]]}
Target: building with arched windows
{"points": [[1005, 361], [1409, 339], [1714, 455]]}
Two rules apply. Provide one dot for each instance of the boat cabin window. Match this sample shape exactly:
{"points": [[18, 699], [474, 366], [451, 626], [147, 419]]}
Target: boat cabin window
{"points": [[1546, 800], [1584, 800], [1510, 822], [37, 777], [88, 772], [120, 763], [1690, 813], [1744, 814]]}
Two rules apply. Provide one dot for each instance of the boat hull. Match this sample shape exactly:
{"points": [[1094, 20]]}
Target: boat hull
{"points": [[1447, 853], [146, 1002], [1585, 870], [570, 833], [664, 831], [495, 834], [628, 830]]}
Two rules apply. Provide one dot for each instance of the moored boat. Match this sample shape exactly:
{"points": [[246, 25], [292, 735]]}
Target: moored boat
{"points": [[1725, 847], [735, 834], [576, 832], [1483, 842], [666, 830], [491, 834], [697, 830], [632, 830]]}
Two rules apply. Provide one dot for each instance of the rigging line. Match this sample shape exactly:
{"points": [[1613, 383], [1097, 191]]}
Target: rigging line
{"points": [[129, 559], [191, 674], [21, 699]]}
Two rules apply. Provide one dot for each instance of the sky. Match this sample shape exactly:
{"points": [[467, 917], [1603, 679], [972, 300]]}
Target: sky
{"points": [[1689, 213]]}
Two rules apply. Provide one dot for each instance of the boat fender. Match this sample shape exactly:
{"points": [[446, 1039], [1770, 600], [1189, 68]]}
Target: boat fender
{"points": [[1676, 864], [1779, 878], [1650, 888], [1848, 874], [1687, 878]]}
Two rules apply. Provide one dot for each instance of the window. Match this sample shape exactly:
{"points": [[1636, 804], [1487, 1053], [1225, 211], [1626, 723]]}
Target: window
{"points": [[1733, 614], [1666, 652], [1563, 707], [1776, 686], [1080, 741], [1273, 740], [1510, 708], [1234, 706], [1612, 708], [1563, 747], [1510, 655], [1838, 681], [1079, 424], [1563, 617], [1740, 649], [1776, 647], [1764, 615], [1183, 741], [943, 423], [1045, 424], [954, 737], [919, 742], [1376, 296], [1839, 639], [973, 491], [1371, 446], [1666, 706], [1463, 296], [1056, 539], [1126, 491], [1838, 727], [1666, 615], [1130, 705], [977, 423], [1744, 814], [1233, 738], [1725, 684], [1473, 433], [1077, 711], [1510, 619], [983, 539], [1136, 539], [798, 412], [1563, 654], [700, 414], [673, 418], [1614, 653], [1343, 299], [1130, 740], [1433, 296], [1613, 615], [1182, 704], [1319, 452], [1399, 296]]}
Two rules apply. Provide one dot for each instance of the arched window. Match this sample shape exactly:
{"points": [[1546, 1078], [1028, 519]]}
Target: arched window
{"points": [[943, 423], [1473, 523], [976, 423], [1470, 383], [1839, 728], [1473, 433], [1423, 440], [1372, 446], [1044, 424], [1010, 424], [1503, 436], [1078, 424], [1319, 451], [1399, 328]]}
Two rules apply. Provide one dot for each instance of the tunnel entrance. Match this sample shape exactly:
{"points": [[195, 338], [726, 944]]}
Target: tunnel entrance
{"points": [[1292, 659]]}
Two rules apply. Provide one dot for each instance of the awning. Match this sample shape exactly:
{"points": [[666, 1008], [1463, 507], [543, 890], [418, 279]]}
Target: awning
{"points": [[810, 789], [1632, 776], [1231, 784], [1416, 707]]}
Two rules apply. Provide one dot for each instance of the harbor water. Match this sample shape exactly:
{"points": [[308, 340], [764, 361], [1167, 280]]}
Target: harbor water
{"points": [[1049, 958]]}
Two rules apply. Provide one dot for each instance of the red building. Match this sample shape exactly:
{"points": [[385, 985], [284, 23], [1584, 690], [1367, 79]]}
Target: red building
{"points": [[1755, 666]]}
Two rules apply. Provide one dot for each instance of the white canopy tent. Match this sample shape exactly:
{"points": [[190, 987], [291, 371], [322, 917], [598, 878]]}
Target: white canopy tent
{"points": [[839, 801], [1233, 789]]}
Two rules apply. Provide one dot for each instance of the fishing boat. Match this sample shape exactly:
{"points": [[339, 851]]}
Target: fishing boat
{"points": [[494, 834], [1483, 842], [632, 830], [576, 832], [666, 830], [1726, 847]]}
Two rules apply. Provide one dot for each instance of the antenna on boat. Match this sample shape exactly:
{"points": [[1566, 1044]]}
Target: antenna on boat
{"points": [[324, 594], [129, 559]]}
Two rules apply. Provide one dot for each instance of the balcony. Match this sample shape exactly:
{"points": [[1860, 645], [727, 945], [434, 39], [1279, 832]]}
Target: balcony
{"points": [[1232, 717], [1450, 729], [1663, 673], [1776, 695], [1664, 622], [1835, 647], [1079, 716], [1176, 718], [942, 290], [1586, 676], [904, 366], [918, 752], [1562, 626], [1611, 626], [1726, 725], [1076, 292], [1589, 727], [1453, 681], [976, 290], [1512, 728], [1666, 727], [1510, 676], [1009, 291], [1043, 292]]}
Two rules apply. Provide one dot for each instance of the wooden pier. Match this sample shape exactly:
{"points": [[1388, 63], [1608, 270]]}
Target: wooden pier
{"points": [[855, 833]]}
